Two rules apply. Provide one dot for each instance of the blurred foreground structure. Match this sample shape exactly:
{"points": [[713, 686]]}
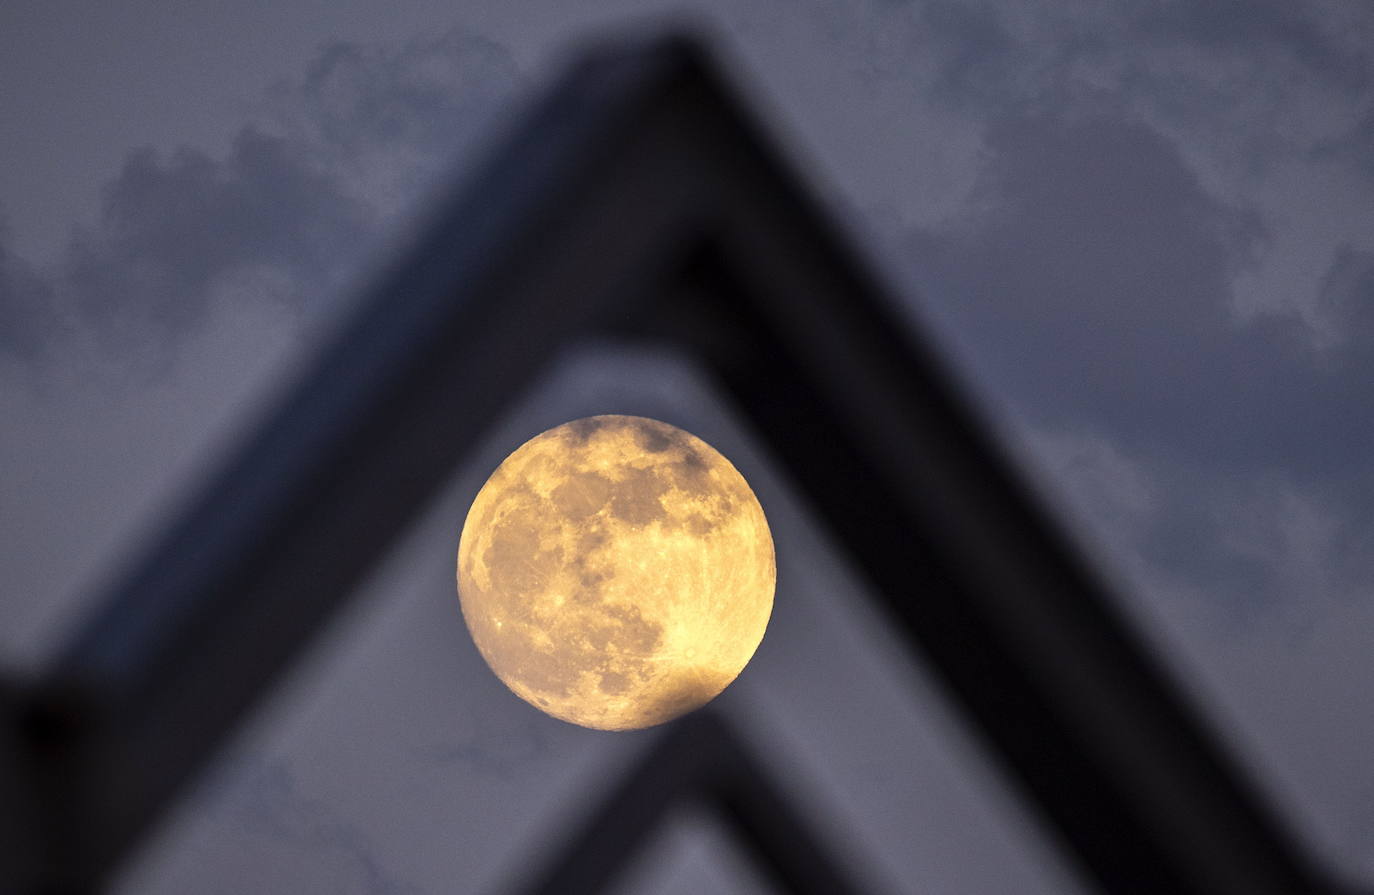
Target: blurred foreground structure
{"points": [[639, 200]]}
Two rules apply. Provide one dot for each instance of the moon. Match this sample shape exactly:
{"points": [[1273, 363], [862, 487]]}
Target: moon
{"points": [[616, 572]]}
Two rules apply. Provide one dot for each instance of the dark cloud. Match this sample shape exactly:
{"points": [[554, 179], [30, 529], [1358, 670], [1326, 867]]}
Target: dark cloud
{"points": [[1354, 146], [504, 753], [1247, 85], [1306, 33], [987, 45], [1093, 288], [1347, 295], [292, 212], [28, 316], [1221, 447], [979, 54], [174, 230], [1098, 286], [426, 99]]}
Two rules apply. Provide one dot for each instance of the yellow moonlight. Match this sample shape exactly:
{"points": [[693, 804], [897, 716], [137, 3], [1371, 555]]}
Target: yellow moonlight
{"points": [[616, 572]]}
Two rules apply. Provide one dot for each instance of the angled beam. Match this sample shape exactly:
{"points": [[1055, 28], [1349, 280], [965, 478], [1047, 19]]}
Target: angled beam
{"points": [[961, 555], [963, 558], [758, 809], [698, 757], [200, 627]]}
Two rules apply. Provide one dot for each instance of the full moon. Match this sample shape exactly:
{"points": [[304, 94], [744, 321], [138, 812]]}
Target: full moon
{"points": [[616, 572]]}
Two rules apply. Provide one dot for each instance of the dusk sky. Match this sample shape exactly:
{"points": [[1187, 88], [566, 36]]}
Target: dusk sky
{"points": [[1142, 232]]}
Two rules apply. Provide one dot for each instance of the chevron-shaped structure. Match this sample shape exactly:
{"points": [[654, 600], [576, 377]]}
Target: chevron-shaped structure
{"points": [[640, 199]]}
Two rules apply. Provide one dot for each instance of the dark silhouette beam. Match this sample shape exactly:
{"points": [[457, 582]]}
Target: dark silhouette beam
{"points": [[698, 757]]}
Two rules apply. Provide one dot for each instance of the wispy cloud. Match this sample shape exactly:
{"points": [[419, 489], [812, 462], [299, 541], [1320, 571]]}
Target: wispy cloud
{"points": [[292, 212], [496, 751]]}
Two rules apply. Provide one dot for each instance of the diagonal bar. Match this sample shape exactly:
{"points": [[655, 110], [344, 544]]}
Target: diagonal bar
{"points": [[699, 756], [272, 545]]}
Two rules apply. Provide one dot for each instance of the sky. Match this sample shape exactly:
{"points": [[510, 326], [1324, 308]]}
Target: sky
{"points": [[1142, 232]]}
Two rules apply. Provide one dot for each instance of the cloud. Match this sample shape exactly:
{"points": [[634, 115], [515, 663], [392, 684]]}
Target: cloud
{"points": [[1268, 105], [1316, 37], [1223, 457], [392, 120], [1346, 297], [1093, 287], [172, 231], [488, 749], [301, 202], [28, 318], [1094, 277]]}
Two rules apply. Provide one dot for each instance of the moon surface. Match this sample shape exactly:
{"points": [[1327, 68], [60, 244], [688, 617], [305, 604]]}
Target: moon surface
{"points": [[616, 572]]}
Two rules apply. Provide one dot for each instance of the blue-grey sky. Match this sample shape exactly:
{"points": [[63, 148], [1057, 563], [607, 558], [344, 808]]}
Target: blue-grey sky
{"points": [[1143, 231]]}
